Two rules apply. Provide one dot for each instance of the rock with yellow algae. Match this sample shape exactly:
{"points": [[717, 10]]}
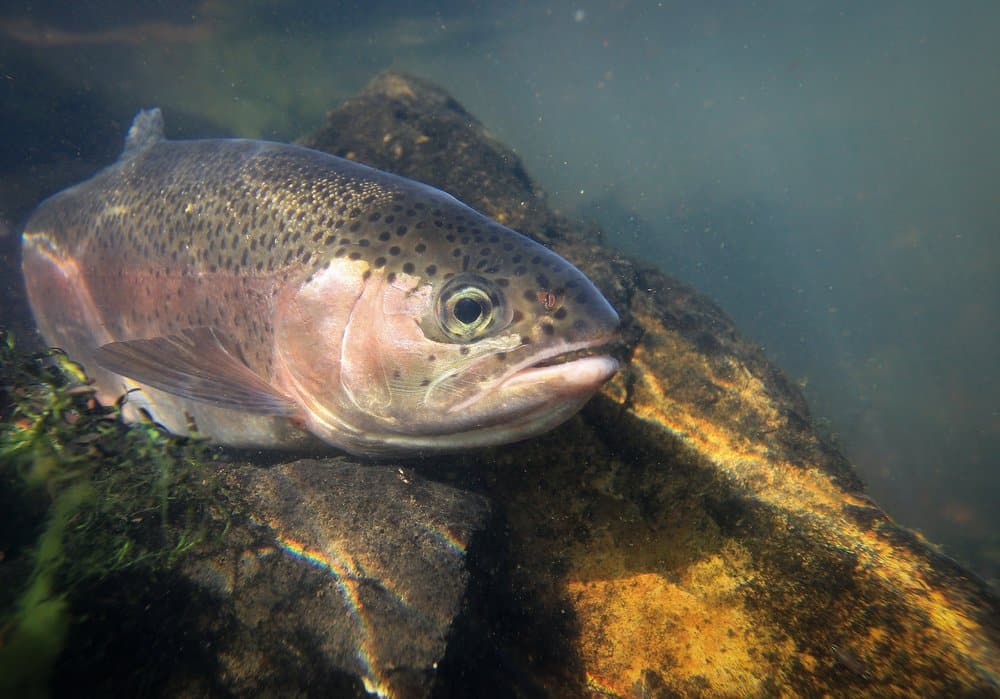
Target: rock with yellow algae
{"points": [[691, 534]]}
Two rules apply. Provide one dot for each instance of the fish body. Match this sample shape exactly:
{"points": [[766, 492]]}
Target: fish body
{"points": [[265, 292]]}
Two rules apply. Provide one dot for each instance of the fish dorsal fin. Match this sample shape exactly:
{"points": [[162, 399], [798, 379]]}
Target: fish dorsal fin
{"points": [[197, 365], [145, 132]]}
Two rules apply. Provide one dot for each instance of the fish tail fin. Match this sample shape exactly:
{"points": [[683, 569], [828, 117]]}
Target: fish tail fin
{"points": [[145, 132]]}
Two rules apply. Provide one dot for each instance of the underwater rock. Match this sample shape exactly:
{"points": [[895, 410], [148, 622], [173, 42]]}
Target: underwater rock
{"points": [[332, 578], [701, 536], [362, 570], [688, 534]]}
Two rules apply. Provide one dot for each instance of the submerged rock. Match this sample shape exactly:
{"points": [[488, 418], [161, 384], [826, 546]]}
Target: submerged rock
{"points": [[331, 578], [700, 535], [362, 570], [689, 534]]}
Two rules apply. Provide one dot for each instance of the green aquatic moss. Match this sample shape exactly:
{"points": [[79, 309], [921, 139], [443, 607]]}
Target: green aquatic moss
{"points": [[119, 496]]}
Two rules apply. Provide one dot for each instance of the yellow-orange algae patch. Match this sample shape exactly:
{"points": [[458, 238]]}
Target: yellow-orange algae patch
{"points": [[802, 490], [692, 632]]}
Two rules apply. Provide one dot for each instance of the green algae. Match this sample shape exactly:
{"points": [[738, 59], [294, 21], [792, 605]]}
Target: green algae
{"points": [[114, 496]]}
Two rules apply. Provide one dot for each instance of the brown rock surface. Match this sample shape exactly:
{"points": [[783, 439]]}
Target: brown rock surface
{"points": [[695, 533], [330, 578], [689, 534]]}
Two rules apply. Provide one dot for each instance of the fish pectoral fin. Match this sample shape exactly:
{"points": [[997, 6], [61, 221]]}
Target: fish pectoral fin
{"points": [[197, 365]]}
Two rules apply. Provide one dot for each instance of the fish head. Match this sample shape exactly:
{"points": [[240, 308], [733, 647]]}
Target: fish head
{"points": [[460, 353]]}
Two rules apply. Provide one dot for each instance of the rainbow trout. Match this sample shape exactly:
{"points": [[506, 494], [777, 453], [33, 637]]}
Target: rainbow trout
{"points": [[264, 292]]}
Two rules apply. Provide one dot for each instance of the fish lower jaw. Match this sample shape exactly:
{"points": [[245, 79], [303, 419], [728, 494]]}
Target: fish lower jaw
{"points": [[560, 372], [587, 372]]}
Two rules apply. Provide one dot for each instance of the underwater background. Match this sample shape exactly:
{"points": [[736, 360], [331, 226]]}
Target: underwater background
{"points": [[826, 171]]}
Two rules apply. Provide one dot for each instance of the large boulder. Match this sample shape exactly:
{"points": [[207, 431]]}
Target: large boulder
{"points": [[693, 531], [689, 534]]}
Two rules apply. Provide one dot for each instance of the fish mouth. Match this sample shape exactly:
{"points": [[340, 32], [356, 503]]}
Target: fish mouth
{"points": [[584, 366], [571, 368]]}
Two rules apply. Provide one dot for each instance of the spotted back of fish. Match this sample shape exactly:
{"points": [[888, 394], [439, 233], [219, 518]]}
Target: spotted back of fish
{"points": [[187, 234]]}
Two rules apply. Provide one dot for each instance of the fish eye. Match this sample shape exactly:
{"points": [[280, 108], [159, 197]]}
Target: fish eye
{"points": [[467, 308]]}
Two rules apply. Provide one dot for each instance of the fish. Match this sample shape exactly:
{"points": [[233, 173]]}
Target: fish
{"points": [[269, 295]]}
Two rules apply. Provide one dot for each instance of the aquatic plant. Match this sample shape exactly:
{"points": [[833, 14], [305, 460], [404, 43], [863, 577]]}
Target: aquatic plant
{"points": [[117, 496]]}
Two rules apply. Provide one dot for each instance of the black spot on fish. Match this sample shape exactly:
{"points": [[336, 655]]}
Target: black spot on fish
{"points": [[431, 270], [408, 268], [394, 250]]}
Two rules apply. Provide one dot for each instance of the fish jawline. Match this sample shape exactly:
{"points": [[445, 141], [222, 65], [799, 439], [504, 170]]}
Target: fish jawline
{"points": [[591, 370], [583, 372]]}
